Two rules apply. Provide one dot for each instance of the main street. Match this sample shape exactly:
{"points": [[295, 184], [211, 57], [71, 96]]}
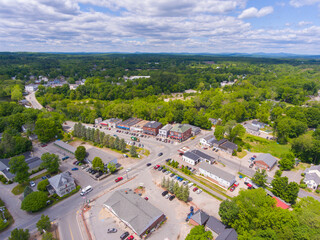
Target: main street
{"points": [[33, 100]]}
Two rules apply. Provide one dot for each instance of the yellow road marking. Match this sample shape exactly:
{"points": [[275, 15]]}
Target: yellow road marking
{"points": [[71, 232]]}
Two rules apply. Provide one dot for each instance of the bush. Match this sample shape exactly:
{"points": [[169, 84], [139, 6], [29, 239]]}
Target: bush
{"points": [[304, 186], [42, 186], [3, 179], [317, 191], [239, 149], [34, 202], [303, 174]]}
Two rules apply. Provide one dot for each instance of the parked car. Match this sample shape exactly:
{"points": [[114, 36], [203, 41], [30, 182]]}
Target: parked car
{"points": [[232, 188], [251, 165], [148, 164], [199, 191], [168, 160], [74, 163], [118, 179], [44, 177], [168, 172], [124, 235], [195, 189], [167, 196], [172, 197], [32, 184], [164, 193], [48, 176], [99, 174], [44, 145], [84, 166], [216, 150], [130, 238], [160, 154], [146, 198], [164, 170], [172, 174], [93, 171], [74, 169], [88, 169], [156, 167], [254, 156], [65, 158], [236, 184], [111, 230], [181, 179], [160, 168]]}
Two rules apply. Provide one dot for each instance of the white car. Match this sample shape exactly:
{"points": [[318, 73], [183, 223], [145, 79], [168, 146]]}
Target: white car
{"points": [[199, 191], [167, 196], [32, 184]]}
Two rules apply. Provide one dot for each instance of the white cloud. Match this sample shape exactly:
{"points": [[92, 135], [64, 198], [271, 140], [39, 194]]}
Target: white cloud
{"points": [[304, 23], [255, 13], [301, 3]]}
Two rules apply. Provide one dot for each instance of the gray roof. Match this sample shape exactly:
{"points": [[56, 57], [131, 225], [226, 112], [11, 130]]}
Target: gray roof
{"points": [[228, 234], [153, 124], [133, 209], [200, 217], [33, 162], [130, 122], [180, 128], [251, 127], [209, 138], [65, 146], [217, 172], [105, 157], [312, 176], [193, 128], [167, 127], [203, 155], [215, 225], [258, 123], [229, 145], [191, 155], [60, 179], [315, 167], [267, 158], [4, 163], [115, 120]]}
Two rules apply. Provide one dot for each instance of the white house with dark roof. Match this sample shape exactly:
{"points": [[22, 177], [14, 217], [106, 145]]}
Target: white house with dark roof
{"points": [[207, 141], [258, 124], [225, 145], [62, 183], [195, 156], [312, 177], [218, 175]]}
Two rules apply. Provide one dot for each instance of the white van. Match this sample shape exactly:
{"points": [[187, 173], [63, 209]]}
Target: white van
{"points": [[190, 185], [86, 190]]}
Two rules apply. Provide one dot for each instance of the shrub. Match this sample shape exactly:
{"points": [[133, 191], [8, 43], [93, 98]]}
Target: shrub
{"points": [[239, 149], [42, 186], [304, 186], [303, 174], [34, 202], [317, 191], [3, 179]]}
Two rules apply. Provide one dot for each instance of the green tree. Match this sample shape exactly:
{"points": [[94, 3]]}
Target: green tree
{"points": [[219, 132], [278, 173], [260, 177], [237, 131], [97, 164], [291, 193], [80, 153], [163, 182], [96, 137], [199, 233], [44, 223], [112, 167], [175, 187], [42, 185], [48, 236], [34, 201], [228, 212], [50, 162], [19, 234], [185, 194], [19, 167], [133, 151], [27, 191], [123, 145], [46, 129], [171, 186], [16, 93], [287, 162], [166, 183], [117, 143]]}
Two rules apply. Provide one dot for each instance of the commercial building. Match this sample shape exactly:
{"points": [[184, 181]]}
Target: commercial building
{"points": [[225, 145], [164, 131], [65, 146], [218, 175], [194, 130], [195, 156], [97, 121], [265, 161], [207, 141], [180, 132], [152, 128], [199, 218], [105, 157], [128, 123], [138, 214], [111, 123], [138, 127], [62, 184]]}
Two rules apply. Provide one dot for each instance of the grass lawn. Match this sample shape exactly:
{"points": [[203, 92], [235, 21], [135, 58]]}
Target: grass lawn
{"points": [[301, 166], [17, 190], [241, 154], [262, 145]]}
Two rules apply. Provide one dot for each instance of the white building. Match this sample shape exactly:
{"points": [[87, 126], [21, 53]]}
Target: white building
{"points": [[164, 131], [31, 88], [207, 141], [218, 175], [195, 156], [312, 177], [62, 183]]}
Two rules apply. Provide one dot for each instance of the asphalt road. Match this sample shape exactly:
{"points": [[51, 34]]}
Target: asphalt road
{"points": [[33, 100]]}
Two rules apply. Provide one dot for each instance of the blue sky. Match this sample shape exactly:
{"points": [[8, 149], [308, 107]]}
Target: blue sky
{"points": [[214, 26]]}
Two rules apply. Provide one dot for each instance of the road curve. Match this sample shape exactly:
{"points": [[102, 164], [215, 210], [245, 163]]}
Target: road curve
{"points": [[33, 100]]}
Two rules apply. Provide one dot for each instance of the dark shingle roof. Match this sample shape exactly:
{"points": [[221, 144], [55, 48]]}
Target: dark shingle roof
{"points": [[203, 155], [200, 217], [228, 234], [215, 225], [153, 124], [191, 155]]}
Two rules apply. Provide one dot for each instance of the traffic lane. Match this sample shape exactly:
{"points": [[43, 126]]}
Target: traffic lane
{"points": [[69, 228], [303, 194]]}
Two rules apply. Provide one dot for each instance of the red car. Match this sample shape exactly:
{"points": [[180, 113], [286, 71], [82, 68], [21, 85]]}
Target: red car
{"points": [[118, 179], [74, 163], [156, 167], [254, 156], [236, 184], [195, 189], [44, 145], [130, 238], [232, 189], [146, 198]]}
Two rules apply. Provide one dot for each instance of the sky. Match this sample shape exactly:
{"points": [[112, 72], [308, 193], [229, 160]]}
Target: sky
{"points": [[175, 26]]}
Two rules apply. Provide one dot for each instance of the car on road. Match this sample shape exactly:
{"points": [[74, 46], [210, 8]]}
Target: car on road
{"points": [[216, 150], [172, 197], [32, 184], [199, 191], [195, 189], [232, 188], [124, 235], [130, 238], [156, 167], [65, 158], [164, 193], [146, 198], [160, 154], [74, 169], [111, 230], [118, 179], [148, 164]]}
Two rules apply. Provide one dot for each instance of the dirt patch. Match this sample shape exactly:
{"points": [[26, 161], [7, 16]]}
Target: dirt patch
{"points": [[54, 230]]}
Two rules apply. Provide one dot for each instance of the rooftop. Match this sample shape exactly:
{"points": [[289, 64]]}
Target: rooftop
{"points": [[217, 171], [200, 217], [228, 234], [167, 127], [181, 128], [153, 124], [267, 158], [215, 225], [133, 209], [105, 157], [65, 146], [60, 179]]}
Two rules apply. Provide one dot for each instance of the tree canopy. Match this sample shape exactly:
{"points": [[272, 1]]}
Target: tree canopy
{"points": [[20, 168], [34, 202], [50, 162], [80, 153]]}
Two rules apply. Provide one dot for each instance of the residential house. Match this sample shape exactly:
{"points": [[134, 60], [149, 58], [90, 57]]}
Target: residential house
{"points": [[128, 123], [194, 130], [31, 88], [312, 177], [265, 161], [215, 121], [218, 175], [253, 129], [73, 86], [152, 128], [195, 156], [138, 214], [199, 218], [215, 226], [97, 121], [164, 131], [180, 132], [225, 145], [28, 127], [105, 157], [62, 183], [207, 141], [259, 124]]}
